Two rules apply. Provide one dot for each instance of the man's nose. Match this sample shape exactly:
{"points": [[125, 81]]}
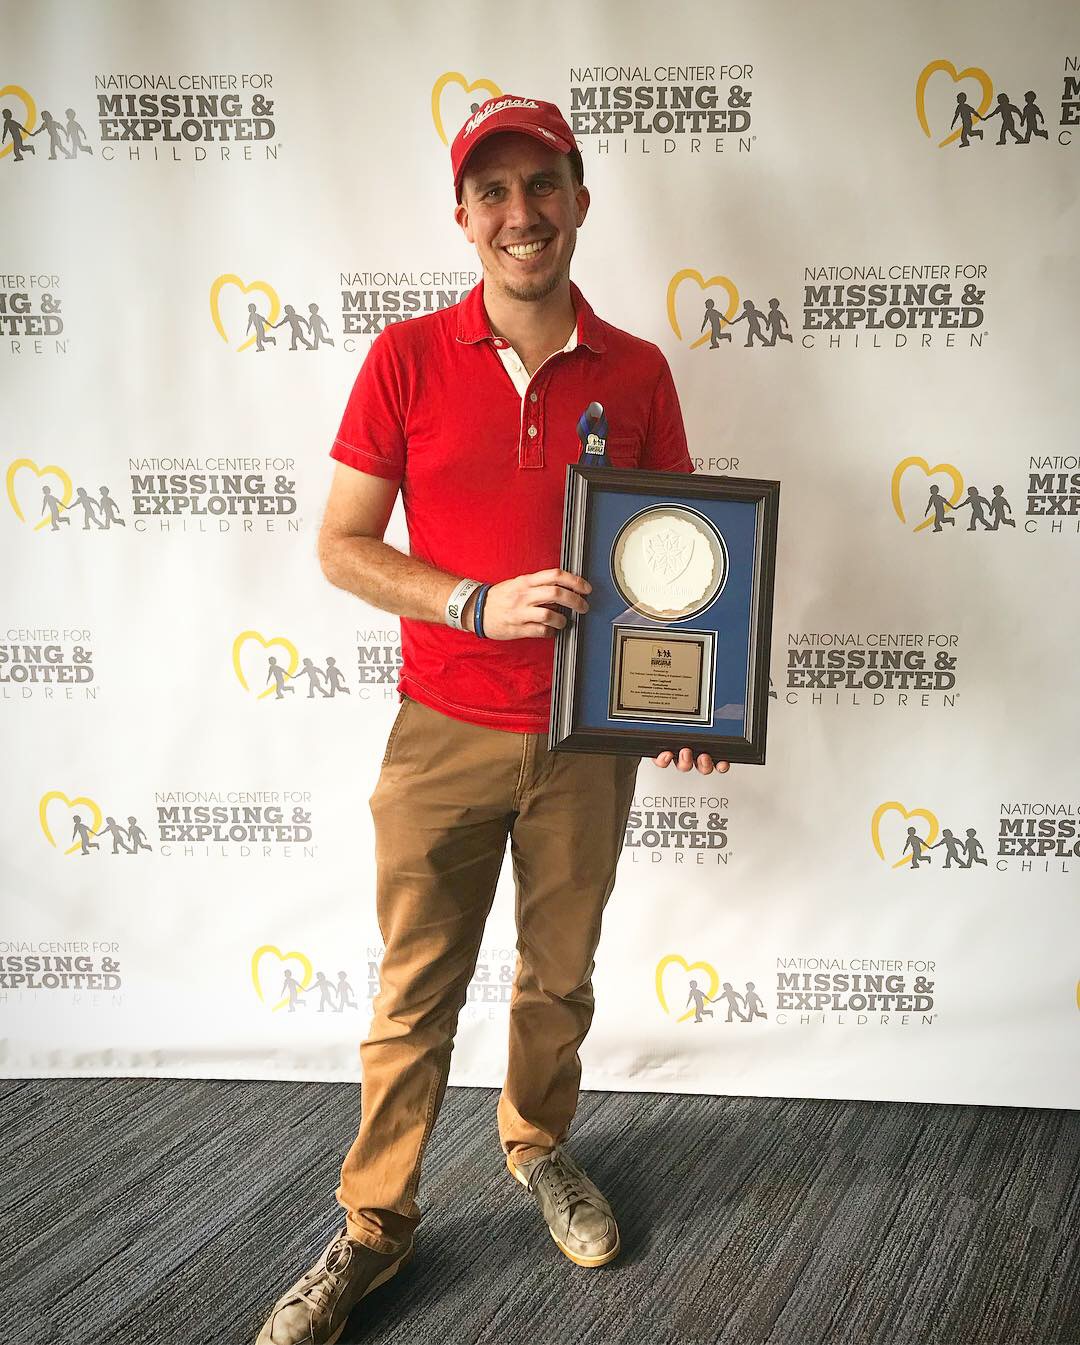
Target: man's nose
{"points": [[520, 212]]}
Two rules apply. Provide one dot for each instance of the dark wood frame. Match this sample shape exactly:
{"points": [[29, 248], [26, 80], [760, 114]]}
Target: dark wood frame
{"points": [[676, 487]]}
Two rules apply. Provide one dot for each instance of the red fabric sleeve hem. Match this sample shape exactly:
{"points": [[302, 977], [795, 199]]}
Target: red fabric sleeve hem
{"points": [[365, 462]]}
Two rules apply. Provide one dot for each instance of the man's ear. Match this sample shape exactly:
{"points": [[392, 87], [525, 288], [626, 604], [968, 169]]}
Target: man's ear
{"points": [[461, 216], [582, 199]]}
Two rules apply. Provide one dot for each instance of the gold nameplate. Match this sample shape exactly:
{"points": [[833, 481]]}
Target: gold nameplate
{"points": [[662, 674]]}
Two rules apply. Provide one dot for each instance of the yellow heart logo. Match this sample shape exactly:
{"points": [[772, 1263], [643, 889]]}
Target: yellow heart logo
{"points": [[673, 959], [261, 286], [875, 827], [455, 77], [279, 640], [946, 467], [66, 489], [29, 116], [82, 802], [689, 273], [972, 72], [257, 957]]}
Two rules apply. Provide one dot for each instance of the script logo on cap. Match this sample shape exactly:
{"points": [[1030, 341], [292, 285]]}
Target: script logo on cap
{"points": [[499, 105]]}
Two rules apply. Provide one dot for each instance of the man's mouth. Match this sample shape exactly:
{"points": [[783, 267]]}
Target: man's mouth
{"points": [[523, 250]]}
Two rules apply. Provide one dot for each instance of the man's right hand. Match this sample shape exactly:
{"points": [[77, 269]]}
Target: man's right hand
{"points": [[525, 607]]}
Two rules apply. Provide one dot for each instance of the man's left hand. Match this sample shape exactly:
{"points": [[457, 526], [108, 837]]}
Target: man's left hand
{"points": [[685, 762]]}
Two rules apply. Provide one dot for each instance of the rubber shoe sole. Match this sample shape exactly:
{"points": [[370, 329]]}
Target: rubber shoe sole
{"points": [[588, 1261]]}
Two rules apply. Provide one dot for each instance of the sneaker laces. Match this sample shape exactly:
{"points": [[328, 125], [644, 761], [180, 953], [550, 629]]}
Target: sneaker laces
{"points": [[566, 1182], [327, 1279]]}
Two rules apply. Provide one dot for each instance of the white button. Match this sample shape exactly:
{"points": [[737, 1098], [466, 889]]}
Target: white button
{"points": [[532, 431], [532, 397]]}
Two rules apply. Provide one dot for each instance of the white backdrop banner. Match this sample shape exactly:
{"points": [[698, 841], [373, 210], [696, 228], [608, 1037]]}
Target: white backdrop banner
{"points": [[887, 199]]}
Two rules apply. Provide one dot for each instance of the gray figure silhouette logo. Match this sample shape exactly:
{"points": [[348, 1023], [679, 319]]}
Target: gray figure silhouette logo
{"points": [[320, 332], [325, 988], [257, 322], [1007, 112], [953, 849], [752, 317], [56, 133], [75, 134], [279, 674], [83, 832], [16, 130], [137, 837], [976, 503], [732, 999], [939, 504], [335, 679], [296, 327], [89, 508], [345, 994], [999, 507], [1030, 117], [972, 848], [294, 990], [110, 510], [966, 115], [917, 846], [699, 999], [775, 321], [754, 1004], [315, 679], [119, 837], [714, 319], [53, 505]]}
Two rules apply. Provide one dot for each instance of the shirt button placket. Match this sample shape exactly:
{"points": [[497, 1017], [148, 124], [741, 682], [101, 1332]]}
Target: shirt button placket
{"points": [[534, 453]]}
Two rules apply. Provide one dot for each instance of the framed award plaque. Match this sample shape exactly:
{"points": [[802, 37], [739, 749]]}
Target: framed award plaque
{"points": [[674, 649]]}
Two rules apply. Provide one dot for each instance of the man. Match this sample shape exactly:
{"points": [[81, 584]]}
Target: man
{"points": [[472, 414]]}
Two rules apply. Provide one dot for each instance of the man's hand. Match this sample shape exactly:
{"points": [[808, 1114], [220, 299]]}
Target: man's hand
{"points": [[525, 607], [685, 762]]}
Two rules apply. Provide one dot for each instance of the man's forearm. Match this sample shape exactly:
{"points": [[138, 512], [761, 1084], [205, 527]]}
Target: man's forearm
{"points": [[383, 576]]}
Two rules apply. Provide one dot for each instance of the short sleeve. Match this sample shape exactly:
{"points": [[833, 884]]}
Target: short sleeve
{"points": [[372, 433]]}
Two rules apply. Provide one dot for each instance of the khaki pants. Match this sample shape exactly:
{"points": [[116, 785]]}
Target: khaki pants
{"points": [[448, 796]]}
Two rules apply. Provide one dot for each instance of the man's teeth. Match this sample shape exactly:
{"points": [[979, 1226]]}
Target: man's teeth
{"points": [[527, 249]]}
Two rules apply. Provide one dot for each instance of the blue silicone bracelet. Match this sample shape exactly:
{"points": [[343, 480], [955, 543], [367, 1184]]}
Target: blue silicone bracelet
{"points": [[478, 611]]}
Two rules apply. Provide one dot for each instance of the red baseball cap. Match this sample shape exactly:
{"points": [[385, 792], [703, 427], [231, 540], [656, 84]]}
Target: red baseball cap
{"points": [[508, 112]]}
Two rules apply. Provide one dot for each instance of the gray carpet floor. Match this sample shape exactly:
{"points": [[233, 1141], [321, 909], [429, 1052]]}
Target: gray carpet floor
{"points": [[160, 1212]]}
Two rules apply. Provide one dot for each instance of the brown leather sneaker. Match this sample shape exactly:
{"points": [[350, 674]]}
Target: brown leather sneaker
{"points": [[578, 1217], [315, 1309]]}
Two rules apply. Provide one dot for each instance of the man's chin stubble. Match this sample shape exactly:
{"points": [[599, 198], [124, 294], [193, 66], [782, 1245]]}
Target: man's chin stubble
{"points": [[530, 293]]}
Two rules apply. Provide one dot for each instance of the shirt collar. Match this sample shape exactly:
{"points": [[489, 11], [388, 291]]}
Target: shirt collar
{"points": [[473, 324]]}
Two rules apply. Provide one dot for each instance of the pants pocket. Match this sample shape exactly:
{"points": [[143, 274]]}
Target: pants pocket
{"points": [[395, 729]]}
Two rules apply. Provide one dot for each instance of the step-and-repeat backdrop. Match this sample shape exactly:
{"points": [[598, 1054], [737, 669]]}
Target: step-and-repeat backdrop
{"points": [[882, 201]]}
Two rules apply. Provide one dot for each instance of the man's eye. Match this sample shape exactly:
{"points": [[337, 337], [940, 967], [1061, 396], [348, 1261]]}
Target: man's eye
{"points": [[543, 185]]}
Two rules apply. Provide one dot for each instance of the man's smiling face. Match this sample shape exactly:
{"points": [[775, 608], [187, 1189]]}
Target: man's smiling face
{"points": [[521, 208]]}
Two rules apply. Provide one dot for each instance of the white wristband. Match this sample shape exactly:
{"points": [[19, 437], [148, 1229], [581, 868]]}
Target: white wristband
{"points": [[455, 605]]}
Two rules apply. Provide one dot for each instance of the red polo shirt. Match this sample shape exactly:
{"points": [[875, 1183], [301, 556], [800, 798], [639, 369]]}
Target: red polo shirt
{"points": [[483, 471]]}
